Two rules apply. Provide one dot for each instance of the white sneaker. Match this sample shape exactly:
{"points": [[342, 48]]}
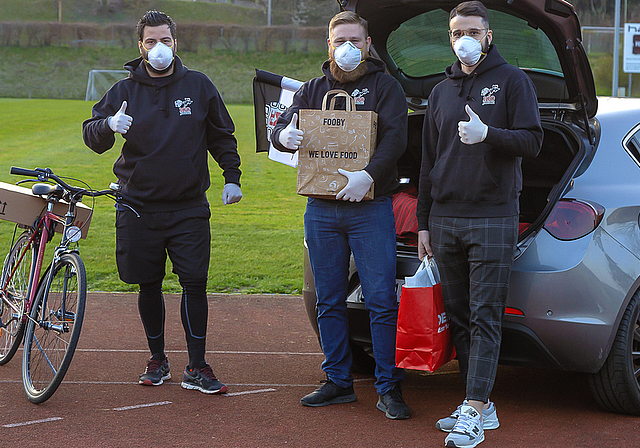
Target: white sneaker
{"points": [[467, 432], [489, 418]]}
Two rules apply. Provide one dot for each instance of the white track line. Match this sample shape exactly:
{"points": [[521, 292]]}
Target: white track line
{"points": [[213, 352], [33, 422], [138, 406], [259, 391], [176, 383]]}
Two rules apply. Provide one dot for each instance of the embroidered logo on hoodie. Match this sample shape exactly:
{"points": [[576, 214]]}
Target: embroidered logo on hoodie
{"points": [[183, 106], [358, 96], [487, 94]]}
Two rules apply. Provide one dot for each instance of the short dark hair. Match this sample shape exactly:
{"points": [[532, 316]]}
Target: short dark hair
{"points": [[155, 18], [473, 8], [348, 17]]}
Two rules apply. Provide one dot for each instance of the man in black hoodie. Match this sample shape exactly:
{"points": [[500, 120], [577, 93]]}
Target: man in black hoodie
{"points": [[336, 228], [170, 118], [468, 203]]}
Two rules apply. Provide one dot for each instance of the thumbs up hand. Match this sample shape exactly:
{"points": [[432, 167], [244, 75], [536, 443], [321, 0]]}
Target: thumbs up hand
{"points": [[472, 131], [120, 122], [291, 137]]}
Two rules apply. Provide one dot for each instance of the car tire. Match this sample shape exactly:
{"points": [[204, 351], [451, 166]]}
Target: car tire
{"points": [[616, 386]]}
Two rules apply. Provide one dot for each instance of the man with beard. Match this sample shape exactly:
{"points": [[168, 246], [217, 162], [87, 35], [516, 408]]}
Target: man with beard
{"points": [[336, 228], [470, 183], [170, 117]]}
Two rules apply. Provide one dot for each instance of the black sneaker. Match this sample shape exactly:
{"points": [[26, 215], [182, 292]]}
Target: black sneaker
{"points": [[202, 379], [155, 373], [329, 393], [393, 405]]}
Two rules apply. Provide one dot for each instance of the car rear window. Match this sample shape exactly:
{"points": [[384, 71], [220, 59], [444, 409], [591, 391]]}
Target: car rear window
{"points": [[420, 46]]}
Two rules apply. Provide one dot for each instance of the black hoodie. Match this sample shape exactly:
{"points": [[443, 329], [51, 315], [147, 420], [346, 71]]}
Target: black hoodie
{"points": [[176, 120], [484, 179], [375, 91]]}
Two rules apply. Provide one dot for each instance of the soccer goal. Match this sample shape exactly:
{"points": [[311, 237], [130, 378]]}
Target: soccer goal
{"points": [[100, 81]]}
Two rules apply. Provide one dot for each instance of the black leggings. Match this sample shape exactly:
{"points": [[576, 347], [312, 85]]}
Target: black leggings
{"points": [[193, 311]]}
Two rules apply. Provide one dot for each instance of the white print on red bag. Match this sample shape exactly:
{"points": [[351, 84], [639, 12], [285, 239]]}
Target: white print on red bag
{"points": [[443, 324], [487, 94]]}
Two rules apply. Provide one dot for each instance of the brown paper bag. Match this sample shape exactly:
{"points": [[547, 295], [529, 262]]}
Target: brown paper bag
{"points": [[334, 139]]}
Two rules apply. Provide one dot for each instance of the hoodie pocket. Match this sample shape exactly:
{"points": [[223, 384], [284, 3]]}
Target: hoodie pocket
{"points": [[165, 180], [465, 179]]}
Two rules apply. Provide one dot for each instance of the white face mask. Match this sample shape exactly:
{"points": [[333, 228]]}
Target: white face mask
{"points": [[468, 50], [160, 56], [347, 56]]}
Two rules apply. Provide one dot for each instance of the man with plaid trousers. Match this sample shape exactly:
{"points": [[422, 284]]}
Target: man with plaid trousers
{"points": [[479, 123]]}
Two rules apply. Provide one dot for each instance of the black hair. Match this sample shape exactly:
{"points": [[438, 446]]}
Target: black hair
{"points": [[155, 18], [473, 8]]}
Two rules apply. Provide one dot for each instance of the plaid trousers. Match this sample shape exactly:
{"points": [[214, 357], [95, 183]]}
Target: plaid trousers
{"points": [[474, 258]]}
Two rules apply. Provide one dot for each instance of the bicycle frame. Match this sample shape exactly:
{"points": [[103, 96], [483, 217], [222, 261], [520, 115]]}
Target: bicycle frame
{"points": [[43, 229], [45, 310]]}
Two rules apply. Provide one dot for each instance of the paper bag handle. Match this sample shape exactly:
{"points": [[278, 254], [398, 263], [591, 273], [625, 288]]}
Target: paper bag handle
{"points": [[350, 102]]}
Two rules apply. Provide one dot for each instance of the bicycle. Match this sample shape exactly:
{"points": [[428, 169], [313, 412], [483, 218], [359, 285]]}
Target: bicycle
{"points": [[45, 310]]}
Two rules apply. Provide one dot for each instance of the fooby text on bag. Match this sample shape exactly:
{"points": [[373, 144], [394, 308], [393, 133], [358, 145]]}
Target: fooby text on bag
{"points": [[334, 139], [423, 341]]}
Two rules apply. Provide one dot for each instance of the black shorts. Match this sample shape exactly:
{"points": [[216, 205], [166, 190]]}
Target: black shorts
{"points": [[142, 244]]}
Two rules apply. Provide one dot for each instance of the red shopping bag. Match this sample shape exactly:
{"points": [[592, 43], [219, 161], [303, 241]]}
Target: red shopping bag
{"points": [[423, 341]]}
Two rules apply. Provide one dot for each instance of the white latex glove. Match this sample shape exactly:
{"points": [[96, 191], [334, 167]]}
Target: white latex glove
{"points": [[231, 194], [472, 131], [291, 137], [120, 122], [358, 185]]}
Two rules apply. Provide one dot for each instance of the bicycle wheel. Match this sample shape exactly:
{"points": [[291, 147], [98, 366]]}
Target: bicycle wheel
{"points": [[11, 322], [54, 327]]}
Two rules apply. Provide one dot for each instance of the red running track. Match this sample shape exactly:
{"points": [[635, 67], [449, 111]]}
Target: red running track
{"points": [[263, 348]]}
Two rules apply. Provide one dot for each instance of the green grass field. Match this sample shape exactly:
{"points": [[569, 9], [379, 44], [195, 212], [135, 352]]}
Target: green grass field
{"points": [[256, 244], [129, 11], [62, 72], [86, 11]]}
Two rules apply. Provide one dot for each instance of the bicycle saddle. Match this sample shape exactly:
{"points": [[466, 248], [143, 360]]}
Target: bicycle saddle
{"points": [[46, 189]]}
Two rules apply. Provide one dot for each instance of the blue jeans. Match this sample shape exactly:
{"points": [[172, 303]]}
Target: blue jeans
{"points": [[333, 230]]}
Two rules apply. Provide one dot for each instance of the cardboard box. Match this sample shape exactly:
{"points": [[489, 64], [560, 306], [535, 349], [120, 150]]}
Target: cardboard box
{"points": [[334, 139], [18, 204]]}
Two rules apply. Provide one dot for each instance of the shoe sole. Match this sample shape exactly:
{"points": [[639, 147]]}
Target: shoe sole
{"points": [[452, 444], [338, 400], [190, 386], [492, 426], [383, 408], [148, 382]]}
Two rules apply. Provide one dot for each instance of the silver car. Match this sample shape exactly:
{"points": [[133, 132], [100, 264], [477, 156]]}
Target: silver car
{"points": [[573, 301]]}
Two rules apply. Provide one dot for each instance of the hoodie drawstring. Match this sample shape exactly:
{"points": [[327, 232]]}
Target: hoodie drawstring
{"points": [[473, 78], [461, 88]]}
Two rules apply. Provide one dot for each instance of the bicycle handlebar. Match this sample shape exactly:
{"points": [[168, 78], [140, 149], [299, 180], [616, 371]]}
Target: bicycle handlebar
{"points": [[76, 193], [23, 171]]}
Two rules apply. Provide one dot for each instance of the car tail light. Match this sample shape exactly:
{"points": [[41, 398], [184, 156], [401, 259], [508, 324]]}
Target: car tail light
{"points": [[513, 311], [571, 219]]}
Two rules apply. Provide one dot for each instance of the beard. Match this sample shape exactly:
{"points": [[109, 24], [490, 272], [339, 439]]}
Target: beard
{"points": [[344, 77]]}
